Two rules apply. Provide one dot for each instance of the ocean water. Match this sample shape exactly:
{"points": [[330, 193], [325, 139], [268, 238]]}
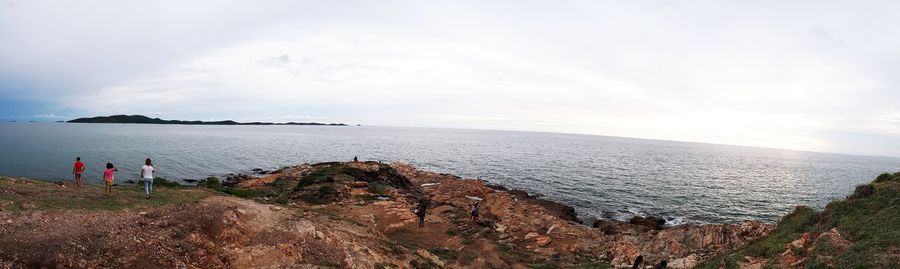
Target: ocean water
{"points": [[602, 177]]}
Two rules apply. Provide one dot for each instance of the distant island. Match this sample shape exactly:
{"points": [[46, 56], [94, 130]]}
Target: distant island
{"points": [[141, 119]]}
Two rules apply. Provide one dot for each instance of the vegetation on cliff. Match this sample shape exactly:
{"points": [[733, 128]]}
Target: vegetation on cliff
{"points": [[860, 231]]}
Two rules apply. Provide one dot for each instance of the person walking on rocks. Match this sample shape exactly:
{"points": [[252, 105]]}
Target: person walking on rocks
{"points": [[420, 212], [108, 176], [638, 261], [147, 175], [474, 212], [77, 169]]}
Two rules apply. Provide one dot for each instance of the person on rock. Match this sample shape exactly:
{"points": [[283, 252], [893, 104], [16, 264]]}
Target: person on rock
{"points": [[77, 170], [420, 211], [474, 211], [108, 176], [147, 175], [638, 261], [355, 159]]}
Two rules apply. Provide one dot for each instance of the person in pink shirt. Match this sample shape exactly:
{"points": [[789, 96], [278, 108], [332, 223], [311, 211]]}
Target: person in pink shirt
{"points": [[108, 176]]}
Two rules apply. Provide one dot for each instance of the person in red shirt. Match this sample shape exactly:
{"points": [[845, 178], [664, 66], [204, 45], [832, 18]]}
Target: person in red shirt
{"points": [[77, 170]]}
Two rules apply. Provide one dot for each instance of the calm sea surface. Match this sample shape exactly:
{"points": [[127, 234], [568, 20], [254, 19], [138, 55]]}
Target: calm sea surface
{"points": [[602, 177]]}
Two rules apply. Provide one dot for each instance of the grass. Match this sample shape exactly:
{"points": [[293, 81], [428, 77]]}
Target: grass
{"points": [[445, 254], [335, 173], [503, 248], [592, 265], [162, 182], [868, 218], [870, 223], [27, 195], [791, 226], [321, 196], [450, 232], [378, 188], [213, 183]]}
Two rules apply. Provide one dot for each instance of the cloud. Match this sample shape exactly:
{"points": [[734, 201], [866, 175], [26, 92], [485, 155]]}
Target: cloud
{"points": [[788, 74]]}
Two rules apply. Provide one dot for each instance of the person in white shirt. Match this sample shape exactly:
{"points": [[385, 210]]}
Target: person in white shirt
{"points": [[147, 175]]}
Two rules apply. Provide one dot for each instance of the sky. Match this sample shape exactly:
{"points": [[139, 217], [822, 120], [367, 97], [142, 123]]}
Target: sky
{"points": [[803, 75]]}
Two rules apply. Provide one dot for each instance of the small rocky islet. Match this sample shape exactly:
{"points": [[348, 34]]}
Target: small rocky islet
{"points": [[360, 215]]}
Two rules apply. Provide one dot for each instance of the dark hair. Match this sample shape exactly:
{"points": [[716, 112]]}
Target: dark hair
{"points": [[148, 162], [109, 165], [77, 158]]}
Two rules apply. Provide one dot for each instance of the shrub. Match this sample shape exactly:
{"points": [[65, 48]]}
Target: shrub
{"points": [[378, 188], [323, 195], [444, 253], [162, 182], [884, 178], [862, 191], [801, 220], [213, 183], [330, 174], [451, 232]]}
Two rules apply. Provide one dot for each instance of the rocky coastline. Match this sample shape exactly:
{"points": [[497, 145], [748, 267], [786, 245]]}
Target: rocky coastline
{"points": [[546, 230], [360, 215]]}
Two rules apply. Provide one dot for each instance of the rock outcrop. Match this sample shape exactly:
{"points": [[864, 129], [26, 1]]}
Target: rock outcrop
{"points": [[361, 215]]}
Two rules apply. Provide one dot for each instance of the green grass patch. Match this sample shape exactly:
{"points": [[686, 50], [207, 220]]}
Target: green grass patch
{"points": [[450, 232], [444, 253], [502, 247], [593, 265], [791, 226], [162, 182], [467, 259], [323, 195], [801, 220], [868, 218], [334, 173], [213, 183], [870, 223], [26, 195], [378, 188]]}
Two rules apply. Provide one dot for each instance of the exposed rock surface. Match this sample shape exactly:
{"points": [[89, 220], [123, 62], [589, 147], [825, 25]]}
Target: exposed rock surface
{"points": [[356, 215]]}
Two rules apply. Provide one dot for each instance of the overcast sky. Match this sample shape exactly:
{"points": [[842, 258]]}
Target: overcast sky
{"points": [[806, 75]]}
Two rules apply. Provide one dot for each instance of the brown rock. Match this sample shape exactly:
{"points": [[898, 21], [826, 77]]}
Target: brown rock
{"points": [[753, 263], [358, 184], [624, 253], [649, 222], [543, 240], [687, 262]]}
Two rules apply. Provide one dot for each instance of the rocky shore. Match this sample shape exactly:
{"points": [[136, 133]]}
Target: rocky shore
{"points": [[339, 214]]}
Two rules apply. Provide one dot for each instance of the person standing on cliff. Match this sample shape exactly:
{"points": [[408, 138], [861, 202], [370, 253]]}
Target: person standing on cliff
{"points": [[77, 170], [474, 212], [420, 211], [147, 175], [108, 176], [638, 261]]}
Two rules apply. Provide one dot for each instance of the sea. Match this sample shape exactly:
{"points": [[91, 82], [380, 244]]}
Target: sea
{"points": [[602, 177]]}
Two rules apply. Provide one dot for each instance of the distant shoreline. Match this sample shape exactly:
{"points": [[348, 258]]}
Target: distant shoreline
{"points": [[141, 119]]}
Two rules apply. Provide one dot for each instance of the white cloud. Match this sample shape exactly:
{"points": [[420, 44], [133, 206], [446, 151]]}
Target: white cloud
{"points": [[780, 74]]}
